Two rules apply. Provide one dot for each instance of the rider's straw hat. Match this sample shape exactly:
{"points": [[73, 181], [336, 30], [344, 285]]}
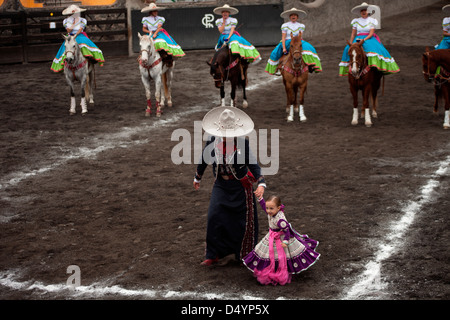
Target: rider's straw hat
{"points": [[225, 7], [362, 6], [72, 9], [227, 122], [152, 7], [286, 14], [446, 8]]}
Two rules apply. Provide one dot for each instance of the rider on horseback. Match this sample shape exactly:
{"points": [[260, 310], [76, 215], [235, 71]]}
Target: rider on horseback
{"points": [[164, 43]]}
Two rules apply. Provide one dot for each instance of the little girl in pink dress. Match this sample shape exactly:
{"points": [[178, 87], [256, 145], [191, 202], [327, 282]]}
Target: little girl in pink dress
{"points": [[283, 251]]}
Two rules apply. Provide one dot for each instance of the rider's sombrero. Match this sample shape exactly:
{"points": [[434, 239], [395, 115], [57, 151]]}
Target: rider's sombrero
{"points": [[226, 7], [152, 7], [446, 8], [286, 14], [362, 6], [72, 9], [227, 122]]}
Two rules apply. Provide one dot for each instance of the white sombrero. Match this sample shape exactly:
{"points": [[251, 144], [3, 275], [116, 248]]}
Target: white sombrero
{"points": [[362, 6], [446, 8], [152, 7], [72, 9], [300, 13], [225, 7], [227, 122]]}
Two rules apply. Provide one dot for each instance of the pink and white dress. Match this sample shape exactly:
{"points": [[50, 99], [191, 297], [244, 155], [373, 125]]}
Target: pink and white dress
{"points": [[273, 264]]}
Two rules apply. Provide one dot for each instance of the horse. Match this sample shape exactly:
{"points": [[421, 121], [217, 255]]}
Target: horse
{"points": [[151, 66], [365, 78], [431, 60], [78, 67], [295, 76], [225, 66]]}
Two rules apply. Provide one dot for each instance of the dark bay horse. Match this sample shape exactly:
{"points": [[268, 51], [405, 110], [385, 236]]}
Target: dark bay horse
{"points": [[365, 78], [431, 60], [229, 67], [295, 76]]}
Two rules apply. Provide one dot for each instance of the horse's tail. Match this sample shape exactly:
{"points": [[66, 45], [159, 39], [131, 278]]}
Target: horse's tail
{"points": [[164, 81]]}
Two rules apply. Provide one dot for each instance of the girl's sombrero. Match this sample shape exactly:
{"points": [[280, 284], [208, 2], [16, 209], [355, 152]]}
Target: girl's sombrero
{"points": [[362, 6]]}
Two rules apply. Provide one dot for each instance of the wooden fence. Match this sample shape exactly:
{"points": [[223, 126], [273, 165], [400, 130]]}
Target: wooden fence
{"points": [[37, 35]]}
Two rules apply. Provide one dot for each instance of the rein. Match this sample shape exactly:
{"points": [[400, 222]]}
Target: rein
{"points": [[439, 78]]}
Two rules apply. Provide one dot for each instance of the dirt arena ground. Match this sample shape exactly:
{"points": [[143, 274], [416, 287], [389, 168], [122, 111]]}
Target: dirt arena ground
{"points": [[101, 191]]}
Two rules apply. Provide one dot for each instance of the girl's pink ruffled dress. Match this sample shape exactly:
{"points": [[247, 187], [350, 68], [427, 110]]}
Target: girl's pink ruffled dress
{"points": [[273, 264]]}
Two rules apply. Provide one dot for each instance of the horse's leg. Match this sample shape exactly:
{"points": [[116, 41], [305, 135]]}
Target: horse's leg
{"points": [[146, 82], [244, 94], [446, 93], [162, 90], [366, 107], [375, 87], [91, 76], [233, 94], [158, 81], [354, 92], [168, 85], [83, 80], [437, 95], [290, 99], [222, 94], [303, 87]]}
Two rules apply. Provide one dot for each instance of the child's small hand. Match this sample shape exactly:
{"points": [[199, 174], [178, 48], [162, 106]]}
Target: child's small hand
{"points": [[284, 245]]}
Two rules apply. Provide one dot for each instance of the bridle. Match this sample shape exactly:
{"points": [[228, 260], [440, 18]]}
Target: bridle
{"points": [[222, 72], [299, 70], [439, 79], [361, 65]]}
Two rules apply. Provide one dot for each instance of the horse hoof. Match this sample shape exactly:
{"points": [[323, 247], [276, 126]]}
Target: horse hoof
{"points": [[303, 119], [374, 115], [245, 104], [368, 125], [446, 126], [290, 118], [354, 122]]}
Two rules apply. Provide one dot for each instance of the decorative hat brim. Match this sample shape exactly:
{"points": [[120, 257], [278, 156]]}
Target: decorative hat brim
{"points": [[211, 126]]}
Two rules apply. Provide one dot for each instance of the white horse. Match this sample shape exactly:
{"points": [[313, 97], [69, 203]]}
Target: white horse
{"points": [[152, 67], [77, 67]]}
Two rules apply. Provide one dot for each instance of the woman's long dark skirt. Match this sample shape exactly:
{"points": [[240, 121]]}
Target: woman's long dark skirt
{"points": [[227, 219]]}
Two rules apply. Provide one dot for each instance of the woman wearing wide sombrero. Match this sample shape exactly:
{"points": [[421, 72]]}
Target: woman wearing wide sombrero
{"points": [[363, 29], [293, 28], [445, 42], [232, 227], [164, 43], [231, 37], [75, 26]]}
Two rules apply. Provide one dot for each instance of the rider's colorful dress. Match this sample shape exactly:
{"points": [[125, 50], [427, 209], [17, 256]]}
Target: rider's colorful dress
{"points": [[237, 44], [376, 53], [309, 53], [88, 48], [163, 40]]}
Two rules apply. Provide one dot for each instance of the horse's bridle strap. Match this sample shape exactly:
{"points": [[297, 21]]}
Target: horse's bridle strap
{"points": [[155, 63], [75, 68]]}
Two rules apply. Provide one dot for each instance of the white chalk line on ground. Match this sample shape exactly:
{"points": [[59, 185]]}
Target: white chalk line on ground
{"points": [[369, 283], [9, 279]]}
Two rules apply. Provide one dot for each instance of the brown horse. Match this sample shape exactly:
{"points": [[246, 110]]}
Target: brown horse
{"points": [[229, 67], [365, 78], [295, 76], [431, 60]]}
